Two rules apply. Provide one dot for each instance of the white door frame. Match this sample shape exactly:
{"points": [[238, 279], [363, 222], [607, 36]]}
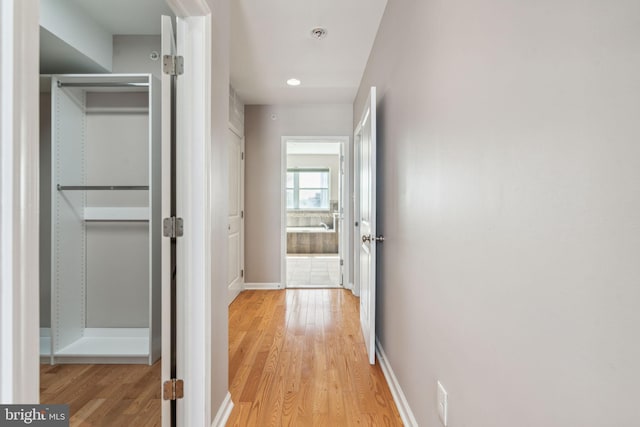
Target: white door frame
{"points": [[193, 167], [19, 223], [355, 203], [19, 229], [344, 203]]}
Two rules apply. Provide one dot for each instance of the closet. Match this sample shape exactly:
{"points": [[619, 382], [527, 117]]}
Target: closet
{"points": [[105, 220]]}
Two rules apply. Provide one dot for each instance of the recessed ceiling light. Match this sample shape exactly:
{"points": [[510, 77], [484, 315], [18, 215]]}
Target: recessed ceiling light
{"points": [[293, 82]]}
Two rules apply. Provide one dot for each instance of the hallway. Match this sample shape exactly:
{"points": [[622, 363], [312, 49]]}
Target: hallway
{"points": [[296, 357]]}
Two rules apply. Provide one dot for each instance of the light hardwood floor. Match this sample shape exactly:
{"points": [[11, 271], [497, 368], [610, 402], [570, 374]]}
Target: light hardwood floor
{"points": [[104, 395], [297, 358]]}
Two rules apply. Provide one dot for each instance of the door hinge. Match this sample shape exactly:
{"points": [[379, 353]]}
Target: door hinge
{"points": [[341, 262], [172, 227], [242, 156], [241, 273], [173, 389], [241, 214], [173, 65]]}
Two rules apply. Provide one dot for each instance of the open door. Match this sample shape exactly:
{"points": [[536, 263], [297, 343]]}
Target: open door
{"points": [[365, 140], [186, 75], [168, 210]]}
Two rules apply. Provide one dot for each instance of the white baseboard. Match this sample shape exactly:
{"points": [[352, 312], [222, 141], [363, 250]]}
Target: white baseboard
{"points": [[262, 286], [350, 287], [234, 291], [222, 416], [408, 419]]}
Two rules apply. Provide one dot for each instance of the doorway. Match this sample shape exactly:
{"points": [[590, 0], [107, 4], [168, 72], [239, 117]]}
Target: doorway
{"points": [[313, 210]]}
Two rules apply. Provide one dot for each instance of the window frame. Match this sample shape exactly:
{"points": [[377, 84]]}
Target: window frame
{"points": [[296, 189]]}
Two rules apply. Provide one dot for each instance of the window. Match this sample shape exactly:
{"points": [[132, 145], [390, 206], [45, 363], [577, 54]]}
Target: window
{"points": [[308, 189]]}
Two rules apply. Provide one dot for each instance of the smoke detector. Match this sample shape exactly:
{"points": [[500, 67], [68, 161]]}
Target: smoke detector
{"points": [[319, 33]]}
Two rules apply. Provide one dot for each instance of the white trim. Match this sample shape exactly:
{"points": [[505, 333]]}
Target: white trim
{"points": [[262, 286], [408, 419], [222, 416], [235, 130], [19, 202], [186, 8], [345, 142], [234, 291], [283, 211], [193, 205]]}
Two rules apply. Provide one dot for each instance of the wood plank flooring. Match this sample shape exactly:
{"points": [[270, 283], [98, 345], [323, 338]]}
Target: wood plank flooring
{"points": [[297, 358], [104, 395]]}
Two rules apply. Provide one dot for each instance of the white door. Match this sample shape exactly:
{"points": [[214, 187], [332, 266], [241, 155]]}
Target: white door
{"points": [[235, 235], [168, 362], [365, 138]]}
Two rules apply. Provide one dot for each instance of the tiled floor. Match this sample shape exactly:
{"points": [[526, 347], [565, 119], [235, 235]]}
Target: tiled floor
{"points": [[313, 271]]}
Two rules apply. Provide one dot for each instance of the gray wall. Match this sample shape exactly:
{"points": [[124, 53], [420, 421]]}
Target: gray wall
{"points": [[45, 210], [508, 196], [131, 54], [263, 148], [117, 253], [220, 194]]}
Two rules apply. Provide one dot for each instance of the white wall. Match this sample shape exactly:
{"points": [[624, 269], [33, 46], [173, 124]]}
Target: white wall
{"points": [[508, 171], [265, 125]]}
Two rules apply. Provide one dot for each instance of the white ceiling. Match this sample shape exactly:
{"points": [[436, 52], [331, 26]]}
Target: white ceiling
{"points": [[271, 42]]}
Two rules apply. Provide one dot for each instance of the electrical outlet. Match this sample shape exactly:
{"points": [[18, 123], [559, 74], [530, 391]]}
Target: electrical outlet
{"points": [[442, 404]]}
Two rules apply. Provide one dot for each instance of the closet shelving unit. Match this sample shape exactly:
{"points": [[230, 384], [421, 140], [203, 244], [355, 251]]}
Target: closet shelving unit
{"points": [[105, 266]]}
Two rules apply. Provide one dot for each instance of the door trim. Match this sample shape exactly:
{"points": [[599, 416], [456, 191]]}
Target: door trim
{"points": [[19, 223], [19, 352], [345, 238], [194, 206]]}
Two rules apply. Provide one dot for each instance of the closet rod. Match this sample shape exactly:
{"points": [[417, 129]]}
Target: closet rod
{"points": [[102, 187], [102, 84]]}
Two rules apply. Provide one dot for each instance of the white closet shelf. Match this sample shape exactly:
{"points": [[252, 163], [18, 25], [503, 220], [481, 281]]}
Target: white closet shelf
{"points": [[110, 342], [116, 214], [117, 110]]}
